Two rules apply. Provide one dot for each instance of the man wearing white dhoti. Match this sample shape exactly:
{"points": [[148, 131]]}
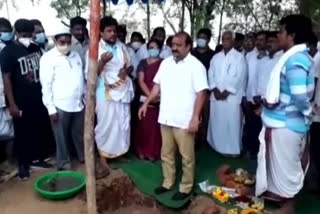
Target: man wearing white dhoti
{"points": [[286, 116], [114, 93], [227, 83]]}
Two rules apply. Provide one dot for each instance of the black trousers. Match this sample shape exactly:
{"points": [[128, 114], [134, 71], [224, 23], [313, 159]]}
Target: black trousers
{"points": [[33, 135], [315, 145], [251, 131]]}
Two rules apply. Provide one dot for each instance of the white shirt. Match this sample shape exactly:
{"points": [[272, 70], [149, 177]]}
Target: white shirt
{"points": [[143, 52], [62, 80], [316, 72], [252, 59], [2, 95], [264, 68], [179, 84], [228, 72], [81, 49], [111, 70], [134, 60]]}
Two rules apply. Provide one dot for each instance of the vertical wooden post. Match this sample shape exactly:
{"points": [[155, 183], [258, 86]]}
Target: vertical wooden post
{"points": [[148, 20], [95, 11], [183, 15]]}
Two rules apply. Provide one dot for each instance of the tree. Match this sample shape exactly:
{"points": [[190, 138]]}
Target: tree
{"points": [[255, 15], [201, 14], [70, 8], [310, 8]]}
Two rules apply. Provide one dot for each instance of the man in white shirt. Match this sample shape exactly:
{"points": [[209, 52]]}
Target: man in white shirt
{"points": [[62, 80], [80, 40], [114, 93], [266, 64], [158, 34], [253, 124], [227, 83], [182, 83]]}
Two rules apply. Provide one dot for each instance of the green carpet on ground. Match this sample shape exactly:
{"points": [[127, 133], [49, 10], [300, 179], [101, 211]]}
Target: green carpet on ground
{"points": [[147, 176]]}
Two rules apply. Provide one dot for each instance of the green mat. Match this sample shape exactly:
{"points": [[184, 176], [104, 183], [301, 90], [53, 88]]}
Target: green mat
{"points": [[147, 176]]}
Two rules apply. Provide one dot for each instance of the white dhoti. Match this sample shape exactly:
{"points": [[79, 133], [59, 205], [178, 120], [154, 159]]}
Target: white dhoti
{"points": [[279, 163], [112, 132], [225, 127]]}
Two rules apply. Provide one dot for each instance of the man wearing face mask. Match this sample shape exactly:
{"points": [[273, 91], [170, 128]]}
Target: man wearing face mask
{"points": [[136, 42], [158, 34], [19, 62], [62, 81], [114, 92], [39, 36], [203, 52]]}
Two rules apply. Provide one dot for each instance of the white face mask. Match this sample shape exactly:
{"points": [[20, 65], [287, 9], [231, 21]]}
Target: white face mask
{"points": [[64, 49], [25, 41], [136, 45]]}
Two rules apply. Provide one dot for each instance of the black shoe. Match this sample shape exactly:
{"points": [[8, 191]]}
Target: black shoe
{"points": [[179, 196], [40, 165], [161, 190], [23, 173]]}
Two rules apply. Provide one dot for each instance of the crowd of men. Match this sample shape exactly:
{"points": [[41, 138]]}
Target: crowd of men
{"points": [[252, 96]]}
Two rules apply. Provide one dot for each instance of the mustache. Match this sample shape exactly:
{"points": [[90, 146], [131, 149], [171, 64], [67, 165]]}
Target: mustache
{"points": [[175, 51]]}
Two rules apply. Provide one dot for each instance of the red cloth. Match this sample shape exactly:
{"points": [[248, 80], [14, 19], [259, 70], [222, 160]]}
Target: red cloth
{"points": [[148, 136]]}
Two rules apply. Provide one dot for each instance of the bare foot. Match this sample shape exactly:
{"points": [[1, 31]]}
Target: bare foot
{"points": [[287, 208], [102, 168]]}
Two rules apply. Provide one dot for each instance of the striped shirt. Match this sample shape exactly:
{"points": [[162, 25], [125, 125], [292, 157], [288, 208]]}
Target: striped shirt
{"points": [[296, 87]]}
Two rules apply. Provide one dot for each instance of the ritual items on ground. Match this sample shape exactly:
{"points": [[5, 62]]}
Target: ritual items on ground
{"points": [[215, 209], [240, 180], [220, 195], [250, 211], [233, 211]]}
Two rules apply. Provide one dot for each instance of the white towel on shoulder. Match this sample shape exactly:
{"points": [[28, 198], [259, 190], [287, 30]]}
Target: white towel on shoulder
{"points": [[273, 88]]}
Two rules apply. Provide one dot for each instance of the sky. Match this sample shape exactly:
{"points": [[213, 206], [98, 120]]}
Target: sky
{"points": [[48, 16]]}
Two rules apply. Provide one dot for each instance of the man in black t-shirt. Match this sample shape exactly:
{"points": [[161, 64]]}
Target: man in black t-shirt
{"points": [[203, 52], [19, 62]]}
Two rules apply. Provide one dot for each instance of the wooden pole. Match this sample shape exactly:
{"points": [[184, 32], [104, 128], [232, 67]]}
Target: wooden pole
{"points": [[7, 9], [148, 20], [95, 11], [183, 15], [221, 21]]}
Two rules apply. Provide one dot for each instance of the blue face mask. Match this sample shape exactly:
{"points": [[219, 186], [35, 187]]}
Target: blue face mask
{"points": [[40, 38], [6, 36], [153, 53], [201, 43]]}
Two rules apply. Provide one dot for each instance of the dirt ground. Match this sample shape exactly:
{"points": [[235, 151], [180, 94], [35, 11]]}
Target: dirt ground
{"points": [[115, 195]]}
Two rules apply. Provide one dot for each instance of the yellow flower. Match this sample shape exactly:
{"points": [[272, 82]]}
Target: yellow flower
{"points": [[220, 195]]}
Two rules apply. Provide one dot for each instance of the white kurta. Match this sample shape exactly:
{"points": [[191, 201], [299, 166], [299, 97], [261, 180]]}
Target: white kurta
{"points": [[113, 104], [251, 60], [227, 72], [316, 72], [264, 68]]}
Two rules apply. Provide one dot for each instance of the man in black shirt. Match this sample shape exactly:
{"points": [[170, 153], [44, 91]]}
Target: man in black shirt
{"points": [[19, 62], [203, 52]]}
